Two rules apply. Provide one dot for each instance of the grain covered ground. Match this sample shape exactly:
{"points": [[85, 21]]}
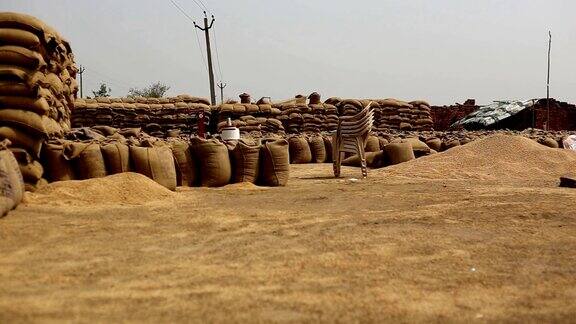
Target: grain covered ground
{"points": [[479, 233]]}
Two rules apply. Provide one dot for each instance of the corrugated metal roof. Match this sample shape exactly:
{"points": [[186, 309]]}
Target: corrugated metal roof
{"points": [[491, 114]]}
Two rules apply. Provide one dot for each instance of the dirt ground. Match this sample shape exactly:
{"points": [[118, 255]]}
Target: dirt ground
{"points": [[387, 248]]}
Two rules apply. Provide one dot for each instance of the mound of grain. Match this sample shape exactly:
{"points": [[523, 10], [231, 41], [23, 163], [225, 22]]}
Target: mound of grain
{"points": [[119, 189], [496, 158]]}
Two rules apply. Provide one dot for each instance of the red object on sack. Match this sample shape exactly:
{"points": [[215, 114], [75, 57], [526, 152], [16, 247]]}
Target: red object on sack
{"points": [[201, 130]]}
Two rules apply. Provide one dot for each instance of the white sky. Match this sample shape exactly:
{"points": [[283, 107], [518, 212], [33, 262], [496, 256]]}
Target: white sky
{"points": [[443, 51]]}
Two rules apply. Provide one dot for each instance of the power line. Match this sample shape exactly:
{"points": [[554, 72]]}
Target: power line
{"points": [[195, 31], [203, 5], [182, 10], [200, 47], [217, 55]]}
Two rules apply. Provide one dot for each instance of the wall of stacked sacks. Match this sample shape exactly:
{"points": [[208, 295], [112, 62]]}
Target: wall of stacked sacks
{"points": [[300, 115], [37, 87], [178, 161], [157, 116]]}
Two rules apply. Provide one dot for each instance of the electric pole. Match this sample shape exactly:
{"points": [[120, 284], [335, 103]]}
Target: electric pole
{"points": [[81, 71], [210, 71], [548, 83], [222, 86]]}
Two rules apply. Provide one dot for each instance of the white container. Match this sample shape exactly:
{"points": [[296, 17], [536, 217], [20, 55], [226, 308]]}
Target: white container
{"points": [[230, 133]]}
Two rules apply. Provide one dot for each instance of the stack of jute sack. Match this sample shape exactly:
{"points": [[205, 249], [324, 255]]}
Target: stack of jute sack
{"points": [[401, 115], [178, 161], [11, 182], [259, 117], [298, 116], [157, 116], [37, 87]]}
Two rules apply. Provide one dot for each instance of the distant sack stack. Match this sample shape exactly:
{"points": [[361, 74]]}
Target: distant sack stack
{"points": [[157, 116], [37, 83]]}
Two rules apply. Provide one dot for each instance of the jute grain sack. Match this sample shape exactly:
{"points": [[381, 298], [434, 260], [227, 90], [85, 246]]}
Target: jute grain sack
{"points": [[186, 166], [547, 141], [450, 144], [20, 89], [22, 139], [382, 142], [57, 167], [245, 161], [18, 37], [328, 147], [372, 144], [6, 191], [420, 148], [299, 150], [36, 105], [116, 157], [274, 162], [373, 160], [23, 22], [39, 125], [435, 144], [31, 172], [317, 148], [87, 160], [22, 57], [215, 168], [33, 187], [399, 152], [14, 185], [157, 163]]}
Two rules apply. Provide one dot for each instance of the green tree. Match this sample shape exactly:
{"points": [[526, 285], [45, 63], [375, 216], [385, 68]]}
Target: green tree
{"points": [[103, 91], [156, 90]]}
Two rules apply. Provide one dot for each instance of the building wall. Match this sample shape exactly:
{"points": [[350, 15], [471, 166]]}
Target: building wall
{"points": [[444, 116]]}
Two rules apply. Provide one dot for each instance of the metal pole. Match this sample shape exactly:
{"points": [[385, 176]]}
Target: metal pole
{"points": [[548, 83], [222, 86], [209, 52], [81, 71]]}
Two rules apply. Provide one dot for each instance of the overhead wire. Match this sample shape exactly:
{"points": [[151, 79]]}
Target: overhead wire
{"points": [[195, 31], [217, 55]]}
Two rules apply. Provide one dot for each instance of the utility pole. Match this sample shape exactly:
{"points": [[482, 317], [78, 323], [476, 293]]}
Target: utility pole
{"points": [[81, 71], [548, 83], [210, 71], [222, 86]]}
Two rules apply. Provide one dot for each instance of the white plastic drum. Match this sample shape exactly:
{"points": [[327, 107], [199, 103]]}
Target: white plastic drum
{"points": [[230, 133]]}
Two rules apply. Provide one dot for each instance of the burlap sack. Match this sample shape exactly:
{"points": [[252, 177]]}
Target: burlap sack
{"points": [[317, 148], [116, 157], [215, 168], [18, 37], [157, 163], [372, 144], [11, 179], [57, 167], [450, 144], [274, 162], [31, 172], [299, 150], [374, 160], [245, 160], [398, 153], [186, 165], [87, 159], [328, 147], [435, 144], [22, 139]]}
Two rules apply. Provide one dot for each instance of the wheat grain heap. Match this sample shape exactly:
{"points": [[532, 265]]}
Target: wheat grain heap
{"points": [[37, 88]]}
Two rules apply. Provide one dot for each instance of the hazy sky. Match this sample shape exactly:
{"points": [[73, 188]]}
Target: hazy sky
{"points": [[443, 51]]}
